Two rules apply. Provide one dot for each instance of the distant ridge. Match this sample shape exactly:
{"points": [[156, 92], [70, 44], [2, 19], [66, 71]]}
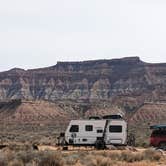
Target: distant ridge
{"points": [[54, 95], [87, 80]]}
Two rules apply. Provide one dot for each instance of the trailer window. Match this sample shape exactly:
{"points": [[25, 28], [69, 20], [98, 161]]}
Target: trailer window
{"points": [[99, 131], [115, 129], [88, 128], [74, 128]]}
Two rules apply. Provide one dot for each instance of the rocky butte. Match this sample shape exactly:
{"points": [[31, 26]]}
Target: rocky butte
{"points": [[87, 81], [79, 89]]}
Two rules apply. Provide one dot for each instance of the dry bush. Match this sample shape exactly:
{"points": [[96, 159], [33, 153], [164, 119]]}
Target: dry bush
{"points": [[100, 161], [3, 160], [73, 158], [50, 158], [16, 162], [76, 158], [26, 156], [113, 155], [127, 156], [17, 148], [79, 158], [9, 155], [43, 158], [130, 156], [6, 155], [142, 163], [152, 155], [31, 157]]}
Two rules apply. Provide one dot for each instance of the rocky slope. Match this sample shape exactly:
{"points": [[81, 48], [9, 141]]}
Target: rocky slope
{"points": [[87, 81], [89, 87], [34, 112]]}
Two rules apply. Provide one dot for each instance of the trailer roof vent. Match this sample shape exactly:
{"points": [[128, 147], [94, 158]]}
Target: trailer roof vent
{"points": [[112, 117], [94, 118]]}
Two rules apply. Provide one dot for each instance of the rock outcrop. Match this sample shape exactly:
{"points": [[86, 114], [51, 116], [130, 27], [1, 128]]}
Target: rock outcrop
{"points": [[87, 81], [69, 90]]}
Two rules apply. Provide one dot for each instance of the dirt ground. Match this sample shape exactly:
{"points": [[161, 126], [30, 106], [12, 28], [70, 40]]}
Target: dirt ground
{"points": [[81, 156]]}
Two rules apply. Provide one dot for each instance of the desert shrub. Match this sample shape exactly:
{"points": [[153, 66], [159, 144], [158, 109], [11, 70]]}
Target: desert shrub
{"points": [[152, 155], [79, 158], [130, 156], [73, 158], [15, 162], [3, 160], [99, 153], [149, 154], [71, 161], [142, 163], [114, 155], [100, 161], [49, 158], [9, 155], [43, 158], [26, 156], [18, 148]]}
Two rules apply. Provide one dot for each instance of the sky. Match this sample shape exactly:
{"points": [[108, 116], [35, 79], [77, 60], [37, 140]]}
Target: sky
{"points": [[38, 33]]}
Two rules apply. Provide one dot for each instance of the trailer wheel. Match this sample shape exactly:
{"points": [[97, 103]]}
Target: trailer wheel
{"points": [[100, 145]]}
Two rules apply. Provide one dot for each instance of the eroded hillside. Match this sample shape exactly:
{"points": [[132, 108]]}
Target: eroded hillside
{"points": [[87, 81], [70, 90]]}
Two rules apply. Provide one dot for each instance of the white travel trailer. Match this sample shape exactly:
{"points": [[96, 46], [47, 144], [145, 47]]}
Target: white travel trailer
{"points": [[97, 132]]}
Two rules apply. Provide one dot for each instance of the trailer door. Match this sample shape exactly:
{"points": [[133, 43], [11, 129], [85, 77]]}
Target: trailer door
{"points": [[116, 133]]}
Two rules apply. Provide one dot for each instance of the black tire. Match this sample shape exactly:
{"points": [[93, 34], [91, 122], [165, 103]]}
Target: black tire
{"points": [[100, 145], [162, 145]]}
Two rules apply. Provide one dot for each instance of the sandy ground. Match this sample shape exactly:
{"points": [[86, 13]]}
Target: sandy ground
{"points": [[76, 149]]}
